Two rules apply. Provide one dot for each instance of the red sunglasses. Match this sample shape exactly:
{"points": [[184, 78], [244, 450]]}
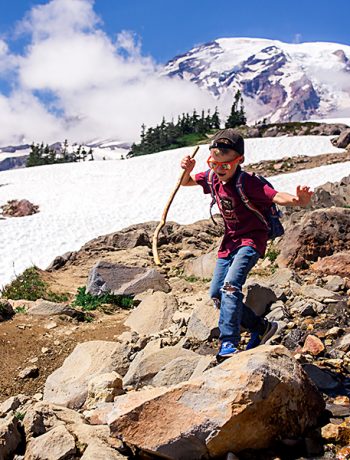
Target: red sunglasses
{"points": [[227, 165]]}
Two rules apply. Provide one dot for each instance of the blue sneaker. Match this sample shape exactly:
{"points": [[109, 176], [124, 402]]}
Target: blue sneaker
{"points": [[257, 339], [227, 349]]}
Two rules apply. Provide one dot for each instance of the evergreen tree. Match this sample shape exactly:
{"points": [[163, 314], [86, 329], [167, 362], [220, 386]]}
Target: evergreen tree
{"points": [[237, 116]]}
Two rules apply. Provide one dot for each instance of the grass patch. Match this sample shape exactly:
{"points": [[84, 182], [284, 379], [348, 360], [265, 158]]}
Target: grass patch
{"points": [[21, 310], [30, 286], [272, 253], [89, 302], [20, 415]]}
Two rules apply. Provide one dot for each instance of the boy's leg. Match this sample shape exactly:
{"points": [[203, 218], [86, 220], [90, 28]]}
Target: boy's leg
{"points": [[243, 260], [220, 272]]}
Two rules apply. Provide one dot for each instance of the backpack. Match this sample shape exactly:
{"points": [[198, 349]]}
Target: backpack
{"points": [[272, 216]]}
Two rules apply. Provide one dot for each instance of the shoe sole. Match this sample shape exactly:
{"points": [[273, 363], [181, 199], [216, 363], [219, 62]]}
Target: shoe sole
{"points": [[220, 358], [270, 333]]}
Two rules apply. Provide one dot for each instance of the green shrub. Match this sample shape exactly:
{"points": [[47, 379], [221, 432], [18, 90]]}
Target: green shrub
{"points": [[90, 302], [30, 286], [272, 254]]}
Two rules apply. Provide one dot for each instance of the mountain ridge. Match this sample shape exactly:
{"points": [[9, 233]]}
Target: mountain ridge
{"points": [[278, 81]]}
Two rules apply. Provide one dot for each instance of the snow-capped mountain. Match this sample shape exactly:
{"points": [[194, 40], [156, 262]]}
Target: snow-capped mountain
{"points": [[279, 81]]}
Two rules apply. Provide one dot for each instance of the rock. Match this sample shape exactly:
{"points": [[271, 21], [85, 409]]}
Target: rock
{"points": [[259, 297], [277, 314], [10, 437], [68, 385], [150, 361], [317, 293], [203, 266], [123, 280], [344, 453], [176, 371], [6, 310], [313, 345], [343, 140], [30, 372], [304, 243], [98, 450], [46, 308], [343, 344], [60, 261], [122, 405], [336, 264], [12, 404], [334, 283], [322, 379], [281, 277], [103, 388], [154, 313], [214, 414], [56, 444], [19, 208], [337, 433], [203, 324]]}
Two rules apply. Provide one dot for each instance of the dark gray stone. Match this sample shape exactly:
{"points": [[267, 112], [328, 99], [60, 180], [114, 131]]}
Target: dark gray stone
{"points": [[322, 379], [124, 280]]}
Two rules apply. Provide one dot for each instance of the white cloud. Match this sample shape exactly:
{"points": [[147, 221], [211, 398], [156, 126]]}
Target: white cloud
{"points": [[105, 88]]}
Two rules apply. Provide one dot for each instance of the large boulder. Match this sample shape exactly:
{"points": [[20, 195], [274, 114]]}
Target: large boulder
{"points": [[336, 264], [124, 280], [203, 323], [248, 401], [259, 297], [68, 385], [150, 361], [154, 313], [203, 266], [319, 233]]}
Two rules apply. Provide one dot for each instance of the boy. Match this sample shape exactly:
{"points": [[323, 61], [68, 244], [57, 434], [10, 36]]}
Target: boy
{"points": [[244, 240]]}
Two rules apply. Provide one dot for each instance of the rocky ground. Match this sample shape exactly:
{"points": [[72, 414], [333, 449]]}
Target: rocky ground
{"points": [[145, 384]]}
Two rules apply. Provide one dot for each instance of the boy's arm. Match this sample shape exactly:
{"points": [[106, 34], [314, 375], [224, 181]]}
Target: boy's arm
{"points": [[302, 197], [188, 164]]}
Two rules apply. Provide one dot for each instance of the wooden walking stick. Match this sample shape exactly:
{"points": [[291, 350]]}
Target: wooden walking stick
{"points": [[165, 213]]}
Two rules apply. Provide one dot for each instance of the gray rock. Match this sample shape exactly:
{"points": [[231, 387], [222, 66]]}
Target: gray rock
{"points": [[277, 314], [334, 283], [46, 308], [154, 313], [343, 343], [68, 385], [150, 361], [343, 140], [56, 444], [12, 404], [10, 437], [203, 323], [176, 371], [29, 372], [123, 280], [322, 379], [259, 297], [203, 266]]}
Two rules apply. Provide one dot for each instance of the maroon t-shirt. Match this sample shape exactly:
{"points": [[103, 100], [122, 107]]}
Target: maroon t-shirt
{"points": [[242, 226]]}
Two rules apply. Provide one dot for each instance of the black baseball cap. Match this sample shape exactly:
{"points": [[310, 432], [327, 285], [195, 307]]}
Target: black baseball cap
{"points": [[228, 138]]}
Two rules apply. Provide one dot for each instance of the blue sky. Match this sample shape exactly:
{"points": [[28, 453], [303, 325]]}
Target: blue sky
{"points": [[170, 28], [84, 69]]}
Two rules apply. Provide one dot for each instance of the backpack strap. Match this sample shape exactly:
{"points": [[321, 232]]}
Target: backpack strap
{"points": [[209, 175], [245, 199]]}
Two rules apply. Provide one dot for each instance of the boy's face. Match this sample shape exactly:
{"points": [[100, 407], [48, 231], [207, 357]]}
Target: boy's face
{"points": [[226, 155]]}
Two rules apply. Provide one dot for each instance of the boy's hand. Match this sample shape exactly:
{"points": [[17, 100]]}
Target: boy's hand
{"points": [[304, 195], [188, 164]]}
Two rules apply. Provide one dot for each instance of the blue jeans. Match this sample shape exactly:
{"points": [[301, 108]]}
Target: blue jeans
{"points": [[229, 276]]}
